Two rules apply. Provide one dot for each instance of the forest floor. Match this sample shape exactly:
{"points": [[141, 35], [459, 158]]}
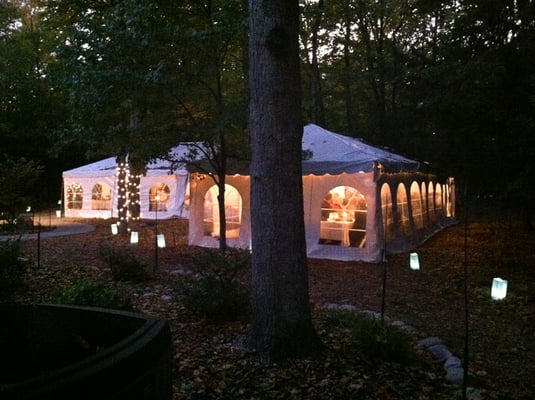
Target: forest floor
{"points": [[207, 364]]}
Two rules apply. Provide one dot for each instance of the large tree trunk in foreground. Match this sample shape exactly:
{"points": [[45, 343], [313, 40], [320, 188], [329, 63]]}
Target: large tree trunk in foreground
{"points": [[281, 325]]}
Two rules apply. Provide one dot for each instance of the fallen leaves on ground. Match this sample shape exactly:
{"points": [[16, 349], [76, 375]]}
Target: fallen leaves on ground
{"points": [[209, 365]]}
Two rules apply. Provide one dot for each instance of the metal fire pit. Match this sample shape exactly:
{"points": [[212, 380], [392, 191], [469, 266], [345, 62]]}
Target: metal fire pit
{"points": [[65, 352]]}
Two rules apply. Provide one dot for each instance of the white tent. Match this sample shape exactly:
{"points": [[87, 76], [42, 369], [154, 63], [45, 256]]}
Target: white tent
{"points": [[358, 201], [90, 191]]}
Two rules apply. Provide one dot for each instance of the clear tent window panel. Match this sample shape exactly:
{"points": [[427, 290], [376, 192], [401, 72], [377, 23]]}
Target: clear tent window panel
{"points": [[387, 214], [159, 197], [101, 197], [75, 196], [343, 217], [417, 205], [403, 210]]}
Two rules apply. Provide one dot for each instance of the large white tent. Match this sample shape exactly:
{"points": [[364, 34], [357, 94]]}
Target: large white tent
{"points": [[359, 201], [90, 191]]}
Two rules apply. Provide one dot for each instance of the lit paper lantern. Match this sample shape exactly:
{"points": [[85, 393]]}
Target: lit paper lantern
{"points": [[499, 289], [114, 229], [160, 238], [414, 261], [134, 237], [58, 213]]}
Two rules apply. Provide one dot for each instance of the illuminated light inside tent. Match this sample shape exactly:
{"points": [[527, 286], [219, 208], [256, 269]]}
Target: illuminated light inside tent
{"points": [[134, 237], [160, 239], [114, 229], [499, 289], [414, 261]]}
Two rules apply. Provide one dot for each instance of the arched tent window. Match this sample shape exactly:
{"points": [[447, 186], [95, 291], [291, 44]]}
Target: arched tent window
{"points": [[431, 201], [438, 199], [403, 209], [386, 210], [233, 212], [159, 197], [425, 213], [101, 197], [75, 194], [343, 217], [417, 206]]}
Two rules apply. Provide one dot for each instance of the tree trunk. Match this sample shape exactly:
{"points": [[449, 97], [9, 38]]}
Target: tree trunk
{"points": [[282, 324], [122, 190], [316, 91]]}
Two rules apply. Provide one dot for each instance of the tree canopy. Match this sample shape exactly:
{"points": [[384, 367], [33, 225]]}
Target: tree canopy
{"points": [[448, 82]]}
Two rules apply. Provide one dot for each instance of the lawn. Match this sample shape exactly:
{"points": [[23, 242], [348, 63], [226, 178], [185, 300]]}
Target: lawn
{"points": [[210, 364]]}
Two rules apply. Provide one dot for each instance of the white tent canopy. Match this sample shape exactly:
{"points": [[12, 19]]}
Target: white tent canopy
{"points": [[333, 153], [90, 191], [358, 201]]}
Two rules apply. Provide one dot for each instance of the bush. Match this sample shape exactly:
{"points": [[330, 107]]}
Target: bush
{"points": [[375, 339], [124, 265], [12, 264], [218, 294], [85, 292]]}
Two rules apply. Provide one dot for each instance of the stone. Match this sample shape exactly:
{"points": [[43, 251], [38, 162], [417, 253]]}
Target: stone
{"points": [[452, 361], [455, 374], [440, 352], [429, 341]]}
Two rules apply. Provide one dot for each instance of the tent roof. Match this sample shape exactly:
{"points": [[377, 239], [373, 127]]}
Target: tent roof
{"points": [[108, 166], [333, 153], [330, 153]]}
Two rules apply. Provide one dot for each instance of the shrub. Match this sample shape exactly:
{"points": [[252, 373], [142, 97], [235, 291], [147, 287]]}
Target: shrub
{"points": [[124, 265], [12, 264], [217, 293], [374, 338], [85, 292]]}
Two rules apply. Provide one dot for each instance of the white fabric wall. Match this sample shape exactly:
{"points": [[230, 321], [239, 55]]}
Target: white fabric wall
{"points": [[314, 190], [198, 189], [177, 184], [87, 184]]}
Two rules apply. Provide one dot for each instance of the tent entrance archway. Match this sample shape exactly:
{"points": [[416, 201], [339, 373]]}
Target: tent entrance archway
{"points": [[233, 212]]}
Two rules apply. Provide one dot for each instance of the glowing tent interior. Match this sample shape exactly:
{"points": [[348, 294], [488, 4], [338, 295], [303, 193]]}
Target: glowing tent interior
{"points": [[91, 191], [358, 201]]}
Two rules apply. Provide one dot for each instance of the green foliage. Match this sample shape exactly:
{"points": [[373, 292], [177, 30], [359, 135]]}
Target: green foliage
{"points": [[374, 338], [85, 292], [218, 294], [17, 180], [12, 265], [124, 264]]}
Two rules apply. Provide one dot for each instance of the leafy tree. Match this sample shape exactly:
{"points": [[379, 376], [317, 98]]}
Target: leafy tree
{"points": [[18, 179], [31, 105], [144, 76], [281, 325]]}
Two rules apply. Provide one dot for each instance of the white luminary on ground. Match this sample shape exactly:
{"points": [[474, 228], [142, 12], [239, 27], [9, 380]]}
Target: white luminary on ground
{"points": [[499, 289], [134, 237], [114, 229], [414, 261], [160, 238]]}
